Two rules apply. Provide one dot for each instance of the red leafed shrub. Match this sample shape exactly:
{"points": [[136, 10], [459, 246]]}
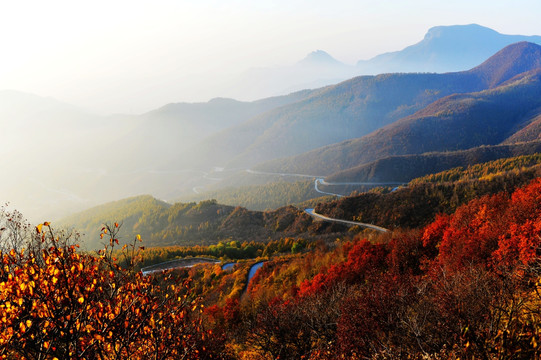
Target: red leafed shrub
{"points": [[490, 231], [375, 318], [473, 232], [363, 259], [405, 253], [433, 233], [521, 240]]}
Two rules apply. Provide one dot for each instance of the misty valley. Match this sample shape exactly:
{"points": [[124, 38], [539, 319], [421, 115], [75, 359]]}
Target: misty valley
{"points": [[389, 209]]}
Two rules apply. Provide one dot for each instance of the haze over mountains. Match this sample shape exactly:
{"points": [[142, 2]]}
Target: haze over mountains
{"points": [[355, 108], [184, 148], [328, 203], [316, 70], [62, 159], [459, 121], [443, 49]]}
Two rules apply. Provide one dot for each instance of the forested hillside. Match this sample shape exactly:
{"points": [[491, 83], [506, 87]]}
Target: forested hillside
{"points": [[403, 168], [422, 199], [91, 159], [453, 123], [203, 223], [530, 132], [448, 289], [359, 106], [239, 209], [483, 171], [208, 222], [462, 256]]}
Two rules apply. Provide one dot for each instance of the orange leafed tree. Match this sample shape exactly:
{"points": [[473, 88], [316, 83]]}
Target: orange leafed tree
{"points": [[56, 302]]}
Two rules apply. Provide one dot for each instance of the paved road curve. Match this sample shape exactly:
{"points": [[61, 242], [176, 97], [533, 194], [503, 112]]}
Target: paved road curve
{"points": [[311, 212], [323, 182], [177, 264], [255, 172], [320, 181]]}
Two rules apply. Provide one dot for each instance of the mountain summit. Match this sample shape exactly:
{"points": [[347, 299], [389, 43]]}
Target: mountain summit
{"points": [[444, 49], [319, 58]]}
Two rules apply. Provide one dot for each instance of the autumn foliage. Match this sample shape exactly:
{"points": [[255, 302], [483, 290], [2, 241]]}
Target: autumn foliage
{"points": [[495, 230], [59, 303], [467, 285]]}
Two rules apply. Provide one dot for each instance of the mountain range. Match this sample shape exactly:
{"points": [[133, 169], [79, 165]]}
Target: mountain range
{"points": [[60, 158], [72, 159], [511, 102], [362, 105], [443, 49]]}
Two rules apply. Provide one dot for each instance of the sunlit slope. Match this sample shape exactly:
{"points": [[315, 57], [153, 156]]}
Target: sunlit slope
{"points": [[355, 108], [455, 122], [203, 223]]}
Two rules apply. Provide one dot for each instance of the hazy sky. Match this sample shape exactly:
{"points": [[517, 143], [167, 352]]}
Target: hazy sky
{"points": [[133, 56]]}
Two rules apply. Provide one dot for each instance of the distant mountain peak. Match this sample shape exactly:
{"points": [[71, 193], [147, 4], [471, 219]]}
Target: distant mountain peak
{"points": [[445, 31], [318, 58], [445, 49], [222, 100]]}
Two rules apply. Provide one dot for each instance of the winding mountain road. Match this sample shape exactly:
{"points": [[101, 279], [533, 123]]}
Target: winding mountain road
{"points": [[255, 172], [177, 264], [325, 183], [319, 180], [312, 212]]}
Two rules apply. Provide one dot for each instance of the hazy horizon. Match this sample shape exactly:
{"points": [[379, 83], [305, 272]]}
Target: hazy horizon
{"points": [[132, 57], [121, 57]]}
